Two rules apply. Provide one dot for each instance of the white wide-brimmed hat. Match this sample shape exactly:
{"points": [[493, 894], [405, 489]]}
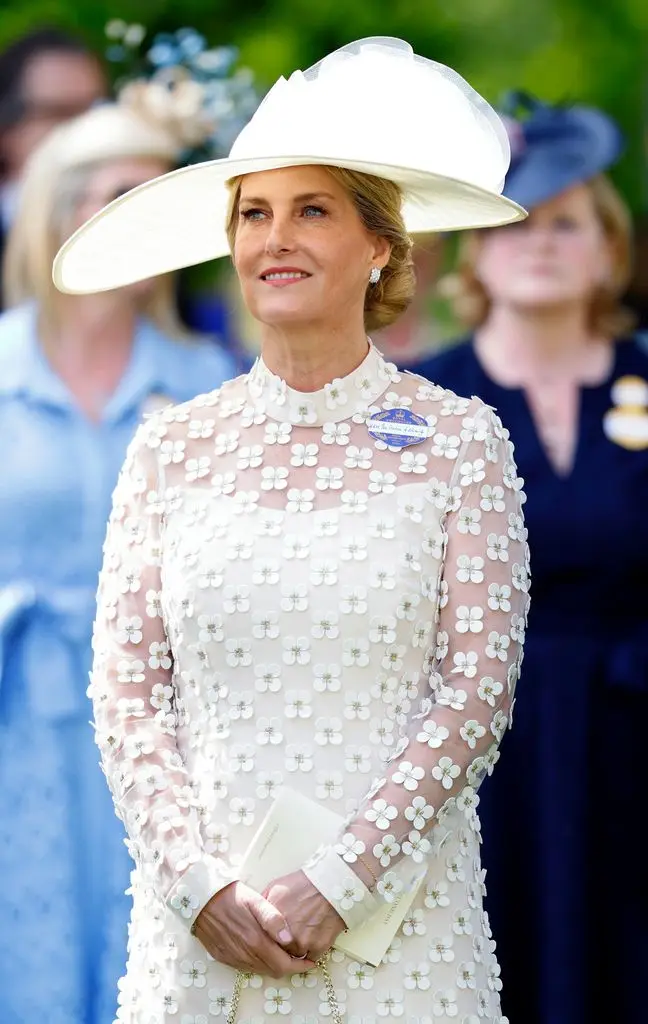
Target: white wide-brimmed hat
{"points": [[373, 106]]}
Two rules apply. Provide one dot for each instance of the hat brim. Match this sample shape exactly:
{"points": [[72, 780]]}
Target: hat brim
{"points": [[178, 219]]}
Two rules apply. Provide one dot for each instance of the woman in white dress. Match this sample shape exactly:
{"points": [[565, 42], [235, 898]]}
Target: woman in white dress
{"points": [[315, 577]]}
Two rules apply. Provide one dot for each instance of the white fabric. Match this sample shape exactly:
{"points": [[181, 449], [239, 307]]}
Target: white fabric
{"points": [[286, 600], [372, 106]]}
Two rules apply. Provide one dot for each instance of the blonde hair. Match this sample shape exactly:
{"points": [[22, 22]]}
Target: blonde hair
{"points": [[607, 316], [378, 202], [50, 192]]}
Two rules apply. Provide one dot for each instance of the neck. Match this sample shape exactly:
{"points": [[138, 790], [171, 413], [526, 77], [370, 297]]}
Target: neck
{"points": [[525, 344], [89, 331], [308, 357], [89, 345]]}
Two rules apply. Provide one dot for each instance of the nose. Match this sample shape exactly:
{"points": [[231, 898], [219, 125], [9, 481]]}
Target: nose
{"points": [[541, 235], [280, 238]]}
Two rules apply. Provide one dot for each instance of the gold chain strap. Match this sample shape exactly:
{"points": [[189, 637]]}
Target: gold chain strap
{"points": [[239, 981], [336, 1012], [322, 963]]}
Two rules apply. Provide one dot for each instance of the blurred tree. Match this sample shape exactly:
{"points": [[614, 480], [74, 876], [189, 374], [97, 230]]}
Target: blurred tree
{"points": [[558, 49]]}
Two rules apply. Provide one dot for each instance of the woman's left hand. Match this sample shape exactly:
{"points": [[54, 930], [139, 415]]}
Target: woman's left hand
{"points": [[314, 923]]}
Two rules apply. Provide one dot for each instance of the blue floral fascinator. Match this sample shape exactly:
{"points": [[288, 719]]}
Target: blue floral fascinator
{"points": [[554, 146], [201, 93]]}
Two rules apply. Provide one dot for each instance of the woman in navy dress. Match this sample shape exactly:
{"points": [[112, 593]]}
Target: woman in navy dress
{"points": [[77, 374], [551, 351]]}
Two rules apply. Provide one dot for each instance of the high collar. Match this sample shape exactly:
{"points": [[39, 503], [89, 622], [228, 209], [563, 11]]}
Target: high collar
{"points": [[341, 399]]}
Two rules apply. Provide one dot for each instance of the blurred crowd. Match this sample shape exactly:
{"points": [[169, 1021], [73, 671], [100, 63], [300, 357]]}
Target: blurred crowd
{"points": [[547, 321]]}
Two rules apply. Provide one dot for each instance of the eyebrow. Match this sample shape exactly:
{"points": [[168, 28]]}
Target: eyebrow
{"points": [[305, 197]]}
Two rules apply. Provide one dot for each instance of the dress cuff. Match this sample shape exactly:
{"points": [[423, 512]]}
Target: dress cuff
{"points": [[339, 884], [194, 889]]}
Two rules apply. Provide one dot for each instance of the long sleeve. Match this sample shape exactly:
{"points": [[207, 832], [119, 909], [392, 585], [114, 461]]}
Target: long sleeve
{"points": [[134, 696], [454, 716]]}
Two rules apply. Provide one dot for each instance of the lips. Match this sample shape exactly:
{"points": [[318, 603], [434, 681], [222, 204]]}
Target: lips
{"points": [[284, 274]]}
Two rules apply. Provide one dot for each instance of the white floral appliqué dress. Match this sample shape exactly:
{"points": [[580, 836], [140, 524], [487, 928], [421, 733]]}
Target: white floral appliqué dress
{"points": [[287, 601]]}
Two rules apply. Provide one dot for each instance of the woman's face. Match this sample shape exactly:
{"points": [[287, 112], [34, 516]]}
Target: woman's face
{"points": [[301, 252], [55, 87], [557, 257]]}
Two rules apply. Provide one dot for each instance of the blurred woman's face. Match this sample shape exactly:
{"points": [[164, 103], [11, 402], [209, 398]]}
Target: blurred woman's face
{"points": [[108, 181], [55, 87], [111, 179], [301, 252], [555, 258]]}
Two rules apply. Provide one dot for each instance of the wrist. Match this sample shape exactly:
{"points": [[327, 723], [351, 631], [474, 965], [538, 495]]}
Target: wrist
{"points": [[341, 886], [195, 888], [362, 869]]}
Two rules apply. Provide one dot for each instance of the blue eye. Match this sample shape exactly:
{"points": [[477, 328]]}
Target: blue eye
{"points": [[314, 211], [252, 214]]}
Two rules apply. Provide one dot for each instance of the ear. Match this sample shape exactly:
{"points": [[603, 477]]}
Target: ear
{"points": [[606, 263], [473, 255], [381, 252]]}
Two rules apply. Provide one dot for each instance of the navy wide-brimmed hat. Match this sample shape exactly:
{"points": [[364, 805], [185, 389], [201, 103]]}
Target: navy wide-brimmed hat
{"points": [[554, 147]]}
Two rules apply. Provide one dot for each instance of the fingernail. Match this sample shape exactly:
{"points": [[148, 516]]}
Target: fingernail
{"points": [[285, 937]]}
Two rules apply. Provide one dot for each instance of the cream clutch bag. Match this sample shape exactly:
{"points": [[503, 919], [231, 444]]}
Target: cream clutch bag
{"points": [[293, 829]]}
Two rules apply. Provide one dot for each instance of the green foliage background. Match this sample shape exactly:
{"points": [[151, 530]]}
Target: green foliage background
{"points": [[591, 50]]}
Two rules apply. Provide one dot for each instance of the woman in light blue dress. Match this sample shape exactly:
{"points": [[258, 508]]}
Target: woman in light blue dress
{"points": [[77, 374]]}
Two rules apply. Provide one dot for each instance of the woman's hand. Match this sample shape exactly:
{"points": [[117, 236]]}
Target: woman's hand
{"points": [[243, 930], [314, 924]]}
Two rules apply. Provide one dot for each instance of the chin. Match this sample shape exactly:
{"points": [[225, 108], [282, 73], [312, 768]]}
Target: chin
{"points": [[283, 314], [545, 298], [141, 290]]}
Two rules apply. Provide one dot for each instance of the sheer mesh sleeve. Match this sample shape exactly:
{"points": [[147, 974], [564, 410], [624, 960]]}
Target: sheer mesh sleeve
{"points": [[134, 697], [463, 707]]}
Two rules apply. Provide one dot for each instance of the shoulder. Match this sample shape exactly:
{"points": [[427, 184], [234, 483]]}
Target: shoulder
{"points": [[179, 420], [468, 440], [208, 360], [460, 417], [443, 391], [632, 354], [450, 367], [197, 364]]}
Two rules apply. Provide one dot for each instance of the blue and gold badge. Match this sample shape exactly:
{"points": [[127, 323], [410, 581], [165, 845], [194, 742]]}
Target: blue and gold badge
{"points": [[398, 428], [626, 424]]}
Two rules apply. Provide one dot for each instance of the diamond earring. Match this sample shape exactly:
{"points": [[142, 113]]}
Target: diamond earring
{"points": [[374, 276]]}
